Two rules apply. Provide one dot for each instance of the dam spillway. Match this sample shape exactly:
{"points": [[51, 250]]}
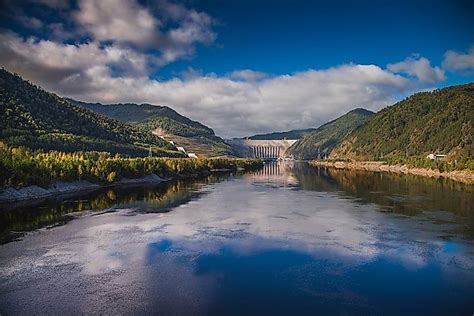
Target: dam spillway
{"points": [[263, 149]]}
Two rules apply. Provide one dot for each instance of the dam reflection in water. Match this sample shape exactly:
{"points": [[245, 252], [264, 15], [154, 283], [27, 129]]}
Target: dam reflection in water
{"points": [[286, 239]]}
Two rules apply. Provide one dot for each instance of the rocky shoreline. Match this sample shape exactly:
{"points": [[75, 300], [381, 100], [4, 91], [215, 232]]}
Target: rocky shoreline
{"points": [[34, 192], [464, 176]]}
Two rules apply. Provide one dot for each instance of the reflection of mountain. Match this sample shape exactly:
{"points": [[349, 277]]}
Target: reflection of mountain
{"points": [[164, 198], [405, 194], [402, 194], [314, 178], [15, 221]]}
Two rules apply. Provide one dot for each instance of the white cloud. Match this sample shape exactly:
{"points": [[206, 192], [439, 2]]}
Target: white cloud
{"points": [[239, 108], [232, 107], [247, 75], [114, 65], [170, 28], [49, 62], [117, 20], [419, 67], [195, 26], [459, 62]]}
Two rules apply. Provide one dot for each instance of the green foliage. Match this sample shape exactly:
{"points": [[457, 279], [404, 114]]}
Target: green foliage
{"points": [[149, 117], [323, 139], [136, 113], [439, 121], [111, 177], [20, 166], [195, 133], [175, 127], [462, 163], [30, 116]]}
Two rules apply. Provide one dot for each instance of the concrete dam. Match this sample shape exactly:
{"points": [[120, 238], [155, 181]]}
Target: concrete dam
{"points": [[264, 149]]}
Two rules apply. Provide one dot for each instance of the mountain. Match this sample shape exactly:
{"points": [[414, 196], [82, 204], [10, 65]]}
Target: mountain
{"points": [[139, 113], [293, 134], [32, 117], [166, 122], [438, 121], [323, 139]]}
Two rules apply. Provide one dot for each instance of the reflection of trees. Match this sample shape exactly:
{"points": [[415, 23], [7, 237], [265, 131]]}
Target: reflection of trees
{"points": [[406, 193], [314, 178], [159, 198], [402, 194]]}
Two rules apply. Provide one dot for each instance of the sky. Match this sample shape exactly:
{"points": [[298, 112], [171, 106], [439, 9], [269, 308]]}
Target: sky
{"points": [[240, 67]]}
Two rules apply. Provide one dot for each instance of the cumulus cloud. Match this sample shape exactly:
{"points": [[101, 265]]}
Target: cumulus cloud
{"points": [[113, 63], [48, 61], [117, 20], [169, 28], [420, 68], [459, 62], [247, 74], [233, 107]]}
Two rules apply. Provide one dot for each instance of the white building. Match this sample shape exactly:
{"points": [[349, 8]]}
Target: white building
{"points": [[435, 157]]}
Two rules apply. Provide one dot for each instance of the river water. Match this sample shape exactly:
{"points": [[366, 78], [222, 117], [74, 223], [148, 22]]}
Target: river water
{"points": [[288, 239]]}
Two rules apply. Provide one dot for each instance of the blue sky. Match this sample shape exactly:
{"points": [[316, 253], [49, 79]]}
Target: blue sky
{"points": [[287, 36], [241, 67]]}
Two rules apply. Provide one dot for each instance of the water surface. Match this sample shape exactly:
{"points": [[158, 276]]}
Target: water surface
{"points": [[288, 239]]}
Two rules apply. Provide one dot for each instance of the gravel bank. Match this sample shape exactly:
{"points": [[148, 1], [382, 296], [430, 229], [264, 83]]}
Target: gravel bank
{"points": [[33, 192], [464, 176]]}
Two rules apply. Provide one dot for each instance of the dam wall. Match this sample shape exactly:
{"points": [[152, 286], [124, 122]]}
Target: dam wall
{"points": [[263, 149]]}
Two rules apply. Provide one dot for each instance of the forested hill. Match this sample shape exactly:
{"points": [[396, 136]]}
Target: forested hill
{"points": [[293, 134], [32, 117], [326, 137], [139, 113], [439, 121], [192, 135]]}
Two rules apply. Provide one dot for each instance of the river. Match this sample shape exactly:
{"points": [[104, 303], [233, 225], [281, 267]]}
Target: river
{"points": [[289, 239]]}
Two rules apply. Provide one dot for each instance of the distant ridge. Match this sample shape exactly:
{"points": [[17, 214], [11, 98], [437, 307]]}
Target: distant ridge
{"points": [[192, 135], [322, 140], [292, 134], [137, 113]]}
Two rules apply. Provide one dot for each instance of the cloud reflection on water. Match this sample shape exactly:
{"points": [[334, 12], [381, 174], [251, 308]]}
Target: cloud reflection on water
{"points": [[306, 231]]}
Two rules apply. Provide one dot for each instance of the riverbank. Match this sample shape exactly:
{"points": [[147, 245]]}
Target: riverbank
{"points": [[26, 174], [464, 176], [60, 188], [43, 177], [35, 192]]}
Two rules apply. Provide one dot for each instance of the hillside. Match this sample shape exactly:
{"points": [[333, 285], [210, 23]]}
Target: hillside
{"points": [[439, 121], [323, 139], [293, 134], [32, 117], [164, 121], [138, 113]]}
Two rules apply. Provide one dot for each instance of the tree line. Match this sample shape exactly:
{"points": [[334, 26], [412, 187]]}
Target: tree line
{"points": [[21, 167]]}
